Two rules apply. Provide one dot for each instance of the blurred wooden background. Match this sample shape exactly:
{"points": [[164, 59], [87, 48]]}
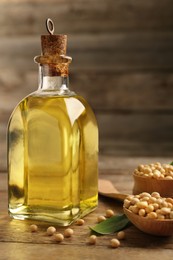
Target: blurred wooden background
{"points": [[122, 64]]}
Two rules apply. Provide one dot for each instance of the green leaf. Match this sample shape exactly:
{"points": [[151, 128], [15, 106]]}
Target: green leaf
{"points": [[111, 225], [171, 163]]}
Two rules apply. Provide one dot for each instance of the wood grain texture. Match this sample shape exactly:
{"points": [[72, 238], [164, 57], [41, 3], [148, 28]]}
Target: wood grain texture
{"points": [[16, 240], [93, 16], [136, 127], [126, 91], [105, 92], [133, 148], [108, 52], [14, 251]]}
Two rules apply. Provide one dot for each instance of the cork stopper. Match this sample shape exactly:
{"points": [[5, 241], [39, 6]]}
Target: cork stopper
{"points": [[53, 58], [53, 44]]}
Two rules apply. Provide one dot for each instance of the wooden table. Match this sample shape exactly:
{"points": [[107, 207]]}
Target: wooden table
{"points": [[17, 242]]}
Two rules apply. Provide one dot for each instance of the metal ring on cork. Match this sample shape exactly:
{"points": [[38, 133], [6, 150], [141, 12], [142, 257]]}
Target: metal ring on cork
{"points": [[50, 26], [55, 48]]}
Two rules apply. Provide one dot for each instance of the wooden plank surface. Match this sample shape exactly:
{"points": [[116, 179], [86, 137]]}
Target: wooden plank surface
{"points": [[16, 241], [117, 42], [112, 146], [115, 52], [105, 92], [15, 251], [82, 16]]}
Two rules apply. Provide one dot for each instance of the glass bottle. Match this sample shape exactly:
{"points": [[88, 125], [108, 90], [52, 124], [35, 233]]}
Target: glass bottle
{"points": [[52, 145]]}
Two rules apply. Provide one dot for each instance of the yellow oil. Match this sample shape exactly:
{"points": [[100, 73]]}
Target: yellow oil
{"points": [[52, 159]]}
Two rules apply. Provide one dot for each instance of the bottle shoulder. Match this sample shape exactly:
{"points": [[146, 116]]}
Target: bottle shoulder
{"points": [[56, 97], [74, 106]]}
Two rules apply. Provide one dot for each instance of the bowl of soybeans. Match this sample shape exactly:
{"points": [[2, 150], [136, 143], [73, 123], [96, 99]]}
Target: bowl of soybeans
{"points": [[150, 213], [154, 177]]}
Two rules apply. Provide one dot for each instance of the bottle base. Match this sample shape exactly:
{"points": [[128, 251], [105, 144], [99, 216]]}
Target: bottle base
{"points": [[61, 218]]}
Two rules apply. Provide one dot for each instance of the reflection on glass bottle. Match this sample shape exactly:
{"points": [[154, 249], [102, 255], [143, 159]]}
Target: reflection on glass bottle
{"points": [[53, 146]]}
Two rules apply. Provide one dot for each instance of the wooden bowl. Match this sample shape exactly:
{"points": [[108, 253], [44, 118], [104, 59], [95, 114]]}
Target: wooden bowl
{"points": [[147, 184], [151, 226]]}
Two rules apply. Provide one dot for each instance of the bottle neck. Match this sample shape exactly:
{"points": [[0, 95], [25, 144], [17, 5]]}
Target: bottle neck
{"points": [[51, 80]]}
